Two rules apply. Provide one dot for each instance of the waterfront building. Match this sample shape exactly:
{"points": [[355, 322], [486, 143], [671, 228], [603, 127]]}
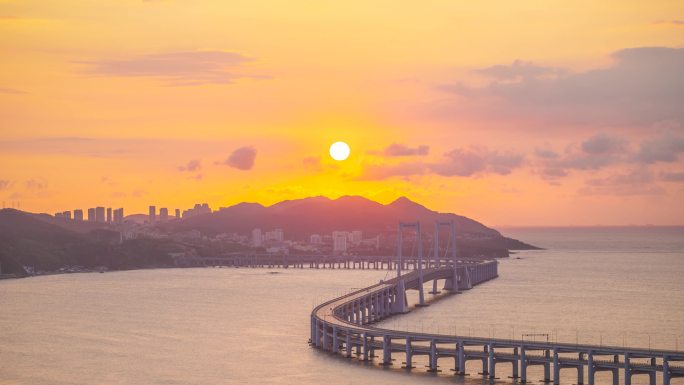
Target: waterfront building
{"points": [[276, 235], [153, 214], [78, 215], [257, 238], [99, 214], [109, 215], [355, 237], [91, 215], [339, 241], [178, 214], [315, 239], [118, 215], [163, 214], [197, 210]]}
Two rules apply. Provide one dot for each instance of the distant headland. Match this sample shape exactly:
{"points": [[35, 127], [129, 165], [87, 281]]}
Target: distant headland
{"points": [[33, 244]]}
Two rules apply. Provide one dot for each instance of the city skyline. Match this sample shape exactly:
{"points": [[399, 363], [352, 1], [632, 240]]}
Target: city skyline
{"points": [[493, 112]]}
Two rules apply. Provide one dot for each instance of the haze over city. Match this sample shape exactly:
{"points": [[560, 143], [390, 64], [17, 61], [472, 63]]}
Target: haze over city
{"points": [[516, 113]]}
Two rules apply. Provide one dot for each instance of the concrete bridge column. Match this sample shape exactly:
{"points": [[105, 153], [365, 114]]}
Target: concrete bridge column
{"points": [[348, 345], [433, 356], [386, 350], [666, 371], [523, 365], [317, 332], [492, 363], [461, 358], [365, 347], [485, 362], [515, 365], [590, 368], [388, 302], [360, 312], [556, 368], [580, 370], [334, 348], [326, 338], [376, 307], [628, 370], [547, 367], [409, 354]]}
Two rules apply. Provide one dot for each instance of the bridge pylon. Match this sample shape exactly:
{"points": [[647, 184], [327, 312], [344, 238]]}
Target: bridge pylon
{"points": [[400, 247]]}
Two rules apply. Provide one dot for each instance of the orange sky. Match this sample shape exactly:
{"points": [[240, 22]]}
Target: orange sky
{"points": [[512, 113]]}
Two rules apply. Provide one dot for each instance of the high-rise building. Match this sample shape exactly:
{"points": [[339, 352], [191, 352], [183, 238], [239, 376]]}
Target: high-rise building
{"points": [[356, 237], [315, 239], [153, 214], [66, 214], [257, 238], [59, 214], [91, 215], [339, 241], [197, 210], [109, 215], [78, 215], [118, 215], [276, 235], [177, 213], [163, 214], [99, 214]]}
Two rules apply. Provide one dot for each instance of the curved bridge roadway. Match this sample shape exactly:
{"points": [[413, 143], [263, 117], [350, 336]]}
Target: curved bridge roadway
{"points": [[345, 324]]}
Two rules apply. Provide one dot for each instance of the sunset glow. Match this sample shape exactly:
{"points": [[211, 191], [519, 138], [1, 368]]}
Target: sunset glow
{"points": [[515, 113]]}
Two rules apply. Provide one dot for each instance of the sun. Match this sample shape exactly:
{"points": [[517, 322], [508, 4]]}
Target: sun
{"points": [[339, 151]]}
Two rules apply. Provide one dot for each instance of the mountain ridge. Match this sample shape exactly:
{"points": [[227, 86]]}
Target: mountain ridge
{"points": [[300, 218]]}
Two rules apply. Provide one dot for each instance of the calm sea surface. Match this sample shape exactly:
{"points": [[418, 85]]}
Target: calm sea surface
{"points": [[233, 326]]}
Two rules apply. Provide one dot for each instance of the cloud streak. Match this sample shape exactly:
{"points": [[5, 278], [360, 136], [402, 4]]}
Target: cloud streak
{"points": [[189, 68], [462, 162], [397, 149], [643, 86]]}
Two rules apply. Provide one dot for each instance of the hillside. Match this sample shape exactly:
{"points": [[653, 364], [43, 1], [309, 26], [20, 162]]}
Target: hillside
{"points": [[319, 215], [28, 240]]}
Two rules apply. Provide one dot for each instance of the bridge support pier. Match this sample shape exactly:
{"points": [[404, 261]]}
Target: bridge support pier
{"points": [[485, 362], [386, 350], [523, 366], [348, 345], [433, 357], [326, 338], [590, 368], [492, 362], [514, 365], [365, 347], [334, 349], [400, 304], [556, 368], [628, 370], [461, 358], [409, 354], [317, 330], [666, 371]]}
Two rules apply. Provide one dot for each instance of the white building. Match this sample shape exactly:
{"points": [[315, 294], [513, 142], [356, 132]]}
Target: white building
{"points": [[339, 241], [355, 237], [276, 235], [315, 239], [257, 238]]}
